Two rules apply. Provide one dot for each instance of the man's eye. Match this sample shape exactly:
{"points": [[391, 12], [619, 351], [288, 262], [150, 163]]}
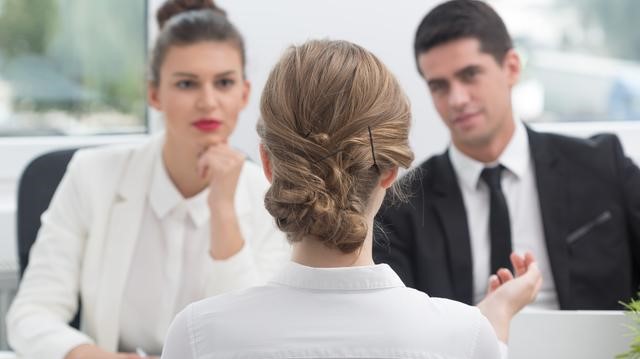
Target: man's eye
{"points": [[469, 74], [436, 87]]}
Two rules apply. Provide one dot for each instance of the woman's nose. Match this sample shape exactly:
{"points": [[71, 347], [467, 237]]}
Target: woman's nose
{"points": [[207, 99]]}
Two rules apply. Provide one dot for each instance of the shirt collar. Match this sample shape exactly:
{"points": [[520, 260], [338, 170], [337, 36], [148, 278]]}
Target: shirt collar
{"points": [[515, 158], [343, 278], [164, 197], [466, 168], [198, 207]]}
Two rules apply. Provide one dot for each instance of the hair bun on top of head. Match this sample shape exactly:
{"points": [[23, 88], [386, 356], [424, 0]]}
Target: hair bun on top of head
{"points": [[170, 8]]}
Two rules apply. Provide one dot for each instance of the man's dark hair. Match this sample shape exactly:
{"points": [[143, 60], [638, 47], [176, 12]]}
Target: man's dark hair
{"points": [[457, 19]]}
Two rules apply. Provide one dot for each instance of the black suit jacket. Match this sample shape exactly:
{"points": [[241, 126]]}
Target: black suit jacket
{"points": [[589, 196]]}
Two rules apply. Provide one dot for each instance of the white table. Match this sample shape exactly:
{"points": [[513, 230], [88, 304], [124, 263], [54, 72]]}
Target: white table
{"points": [[568, 334]]}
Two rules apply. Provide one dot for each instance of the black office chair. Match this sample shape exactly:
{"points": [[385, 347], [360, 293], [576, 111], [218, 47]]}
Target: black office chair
{"points": [[37, 185]]}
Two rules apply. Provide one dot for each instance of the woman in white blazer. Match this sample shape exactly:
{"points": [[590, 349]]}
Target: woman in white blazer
{"points": [[138, 232], [334, 129]]}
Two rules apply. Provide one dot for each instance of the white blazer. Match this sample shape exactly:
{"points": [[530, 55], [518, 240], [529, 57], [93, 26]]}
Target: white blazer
{"points": [[87, 239]]}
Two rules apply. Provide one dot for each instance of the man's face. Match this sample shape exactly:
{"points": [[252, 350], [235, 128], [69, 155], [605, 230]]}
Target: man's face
{"points": [[470, 90]]}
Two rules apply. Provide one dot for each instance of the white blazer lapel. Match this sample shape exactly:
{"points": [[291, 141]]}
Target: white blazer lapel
{"points": [[122, 234]]}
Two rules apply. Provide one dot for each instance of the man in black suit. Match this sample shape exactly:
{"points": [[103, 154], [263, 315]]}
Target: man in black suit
{"points": [[502, 187]]}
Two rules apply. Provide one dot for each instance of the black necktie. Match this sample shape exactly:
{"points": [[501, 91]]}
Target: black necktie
{"points": [[499, 223]]}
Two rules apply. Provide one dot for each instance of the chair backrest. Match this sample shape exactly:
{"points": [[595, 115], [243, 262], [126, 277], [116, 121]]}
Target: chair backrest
{"points": [[37, 185]]}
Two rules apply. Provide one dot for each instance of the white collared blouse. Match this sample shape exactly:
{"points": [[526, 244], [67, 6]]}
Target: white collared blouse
{"points": [[353, 312], [172, 263]]}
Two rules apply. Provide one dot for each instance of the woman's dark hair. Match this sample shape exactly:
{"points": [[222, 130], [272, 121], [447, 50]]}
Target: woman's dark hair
{"points": [[186, 22], [457, 19]]}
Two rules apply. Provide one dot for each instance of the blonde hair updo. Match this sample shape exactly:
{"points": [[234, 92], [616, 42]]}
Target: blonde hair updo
{"points": [[333, 118]]}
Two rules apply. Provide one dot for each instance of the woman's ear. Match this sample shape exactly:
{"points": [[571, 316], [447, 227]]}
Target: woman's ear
{"points": [[266, 163], [153, 96], [388, 177], [246, 91]]}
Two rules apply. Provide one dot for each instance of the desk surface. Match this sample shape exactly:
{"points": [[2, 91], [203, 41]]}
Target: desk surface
{"points": [[557, 334], [569, 334]]}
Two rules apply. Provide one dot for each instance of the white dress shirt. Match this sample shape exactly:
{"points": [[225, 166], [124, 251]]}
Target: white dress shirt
{"points": [[521, 193], [353, 312], [169, 263]]}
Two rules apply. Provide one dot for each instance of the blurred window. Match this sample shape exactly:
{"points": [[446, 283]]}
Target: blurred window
{"points": [[581, 59], [72, 67]]}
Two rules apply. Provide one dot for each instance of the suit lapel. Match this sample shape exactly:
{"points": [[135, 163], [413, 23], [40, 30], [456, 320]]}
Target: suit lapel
{"points": [[553, 197], [450, 209], [122, 233]]}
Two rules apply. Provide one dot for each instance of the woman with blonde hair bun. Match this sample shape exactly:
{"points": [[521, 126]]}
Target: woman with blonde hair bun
{"points": [[334, 128]]}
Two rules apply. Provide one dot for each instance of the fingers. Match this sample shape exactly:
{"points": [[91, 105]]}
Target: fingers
{"points": [[522, 265], [533, 279], [494, 283], [518, 263], [526, 266], [504, 275], [202, 166], [533, 271], [521, 262], [218, 158], [529, 258]]}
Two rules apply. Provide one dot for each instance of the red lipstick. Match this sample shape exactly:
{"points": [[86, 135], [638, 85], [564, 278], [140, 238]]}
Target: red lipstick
{"points": [[207, 124]]}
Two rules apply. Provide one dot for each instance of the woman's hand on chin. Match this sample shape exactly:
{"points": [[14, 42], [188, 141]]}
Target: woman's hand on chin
{"points": [[221, 165]]}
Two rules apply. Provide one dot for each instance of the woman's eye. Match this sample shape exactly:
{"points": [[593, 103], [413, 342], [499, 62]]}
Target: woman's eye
{"points": [[185, 84], [224, 83]]}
